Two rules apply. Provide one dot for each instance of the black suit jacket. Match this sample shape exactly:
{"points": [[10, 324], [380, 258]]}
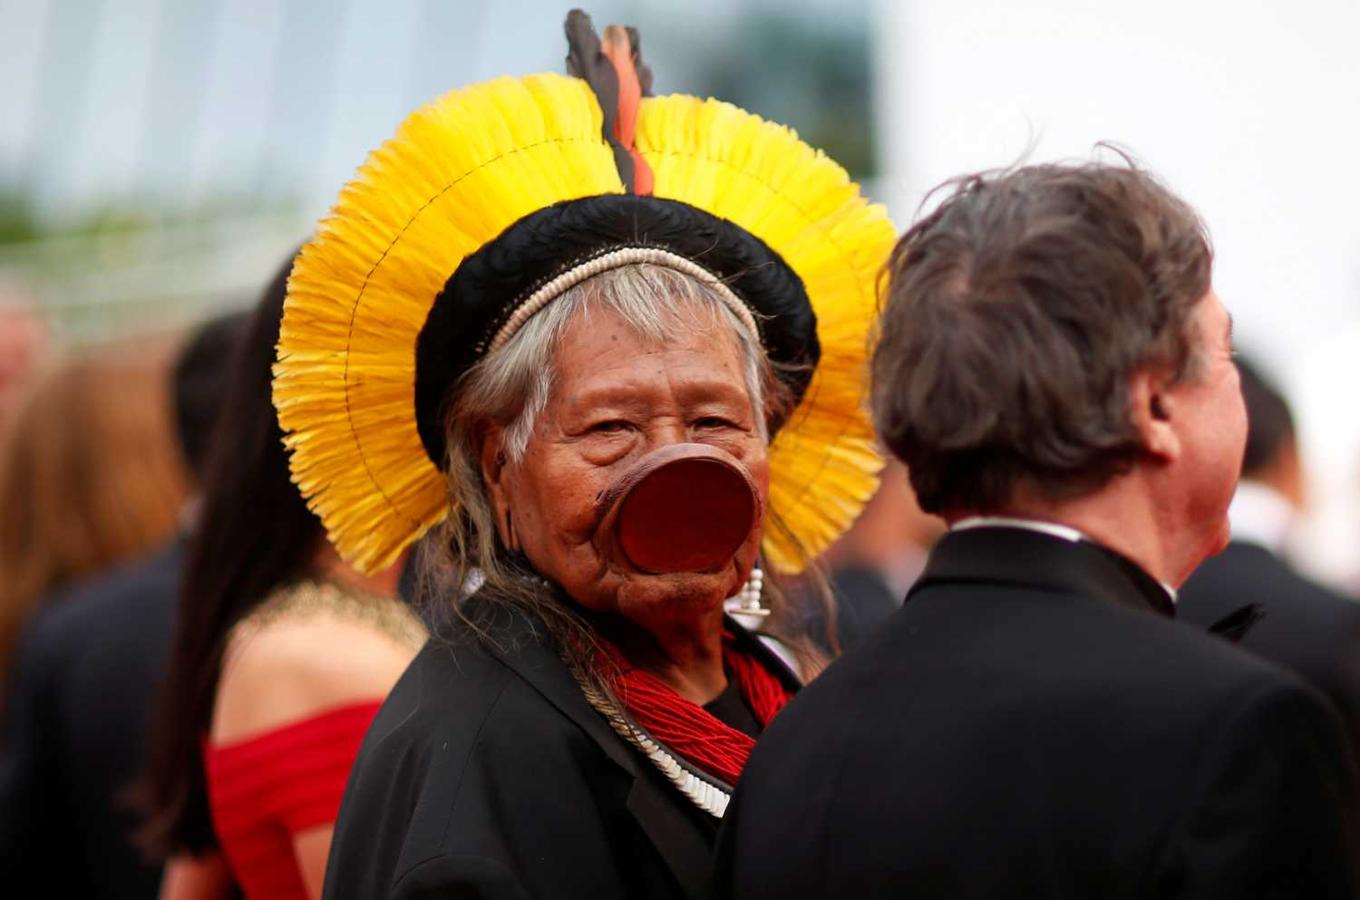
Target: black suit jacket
{"points": [[487, 774], [1027, 726], [76, 733], [1304, 627], [864, 602]]}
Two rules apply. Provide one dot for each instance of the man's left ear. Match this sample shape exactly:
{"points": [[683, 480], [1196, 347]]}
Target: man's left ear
{"points": [[1153, 408]]}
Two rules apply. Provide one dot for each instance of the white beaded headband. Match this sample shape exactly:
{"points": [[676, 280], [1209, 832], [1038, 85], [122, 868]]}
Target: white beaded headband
{"points": [[617, 259]]}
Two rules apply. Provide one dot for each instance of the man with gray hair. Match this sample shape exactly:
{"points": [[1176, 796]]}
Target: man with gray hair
{"points": [[1056, 372]]}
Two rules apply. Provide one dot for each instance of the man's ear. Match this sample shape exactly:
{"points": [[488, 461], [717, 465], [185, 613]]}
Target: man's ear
{"points": [[1153, 407], [494, 476]]}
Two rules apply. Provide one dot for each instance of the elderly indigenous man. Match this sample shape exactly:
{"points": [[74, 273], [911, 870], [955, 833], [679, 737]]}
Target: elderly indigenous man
{"points": [[1056, 371], [570, 320]]}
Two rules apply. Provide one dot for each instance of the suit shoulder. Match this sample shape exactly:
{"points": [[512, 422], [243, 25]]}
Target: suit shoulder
{"points": [[119, 600], [1326, 605], [446, 685], [1304, 626], [1190, 663], [456, 706], [460, 733], [1249, 574], [77, 623], [1017, 648]]}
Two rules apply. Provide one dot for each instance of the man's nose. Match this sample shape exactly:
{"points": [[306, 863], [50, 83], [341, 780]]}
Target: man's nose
{"points": [[662, 433]]}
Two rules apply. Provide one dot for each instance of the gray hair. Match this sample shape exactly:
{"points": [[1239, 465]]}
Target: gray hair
{"points": [[657, 302]]}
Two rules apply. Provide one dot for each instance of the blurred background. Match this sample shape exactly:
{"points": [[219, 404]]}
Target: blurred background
{"points": [[158, 158]]}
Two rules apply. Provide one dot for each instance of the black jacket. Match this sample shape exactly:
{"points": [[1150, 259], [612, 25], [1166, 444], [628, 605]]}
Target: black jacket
{"points": [[76, 726], [864, 602], [1304, 627], [1028, 727], [488, 774]]}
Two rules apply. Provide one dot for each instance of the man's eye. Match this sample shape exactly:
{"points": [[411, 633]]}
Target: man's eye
{"points": [[609, 426], [714, 422]]}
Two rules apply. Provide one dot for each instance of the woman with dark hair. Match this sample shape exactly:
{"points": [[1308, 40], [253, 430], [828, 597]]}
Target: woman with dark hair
{"points": [[616, 345], [282, 655]]}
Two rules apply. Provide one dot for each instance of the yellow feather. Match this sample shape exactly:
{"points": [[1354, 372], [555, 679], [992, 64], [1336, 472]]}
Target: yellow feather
{"points": [[823, 463], [459, 172]]}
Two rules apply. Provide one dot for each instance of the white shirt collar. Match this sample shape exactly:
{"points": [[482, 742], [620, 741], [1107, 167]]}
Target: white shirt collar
{"points": [[1261, 515], [1052, 529]]}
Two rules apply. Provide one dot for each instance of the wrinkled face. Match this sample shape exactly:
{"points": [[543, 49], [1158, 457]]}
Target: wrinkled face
{"points": [[616, 397], [1211, 422]]}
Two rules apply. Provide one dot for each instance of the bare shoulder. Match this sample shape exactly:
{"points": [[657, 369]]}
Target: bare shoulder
{"points": [[298, 658]]}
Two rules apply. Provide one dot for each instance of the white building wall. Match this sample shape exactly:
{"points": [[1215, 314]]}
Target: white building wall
{"points": [[1251, 110]]}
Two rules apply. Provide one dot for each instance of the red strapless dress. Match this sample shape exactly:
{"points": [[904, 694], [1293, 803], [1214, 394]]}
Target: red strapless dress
{"points": [[266, 788]]}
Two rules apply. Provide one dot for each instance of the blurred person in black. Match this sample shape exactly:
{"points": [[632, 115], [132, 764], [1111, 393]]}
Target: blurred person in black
{"points": [[880, 557], [868, 570], [1304, 626], [90, 477], [89, 665], [1056, 372]]}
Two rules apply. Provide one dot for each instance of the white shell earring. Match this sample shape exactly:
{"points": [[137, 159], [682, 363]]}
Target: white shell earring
{"points": [[749, 597]]}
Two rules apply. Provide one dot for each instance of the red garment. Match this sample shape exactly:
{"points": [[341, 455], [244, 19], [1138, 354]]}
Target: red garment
{"points": [[266, 788], [690, 730]]}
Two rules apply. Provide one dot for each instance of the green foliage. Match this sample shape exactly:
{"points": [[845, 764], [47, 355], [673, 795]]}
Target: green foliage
{"points": [[817, 80], [18, 222]]}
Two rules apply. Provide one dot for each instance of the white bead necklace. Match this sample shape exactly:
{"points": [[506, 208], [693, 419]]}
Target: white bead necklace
{"points": [[706, 795], [709, 797]]}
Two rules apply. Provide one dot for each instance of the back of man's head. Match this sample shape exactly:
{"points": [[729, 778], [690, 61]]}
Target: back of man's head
{"points": [[1270, 424], [1016, 314], [200, 380]]}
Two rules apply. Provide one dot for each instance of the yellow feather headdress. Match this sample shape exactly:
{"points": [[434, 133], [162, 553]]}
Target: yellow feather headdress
{"points": [[460, 172]]}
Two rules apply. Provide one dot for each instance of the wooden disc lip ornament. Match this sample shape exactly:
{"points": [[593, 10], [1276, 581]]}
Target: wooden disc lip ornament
{"points": [[683, 508]]}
